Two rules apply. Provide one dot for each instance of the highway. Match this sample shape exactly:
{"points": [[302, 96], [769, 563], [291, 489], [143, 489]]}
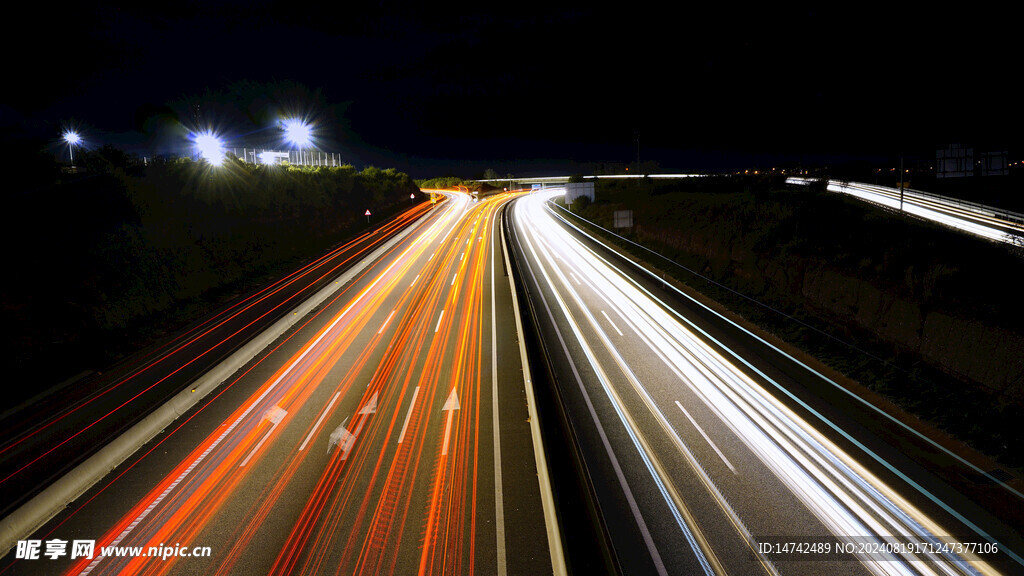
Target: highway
{"points": [[702, 459], [393, 428], [984, 221], [389, 431]]}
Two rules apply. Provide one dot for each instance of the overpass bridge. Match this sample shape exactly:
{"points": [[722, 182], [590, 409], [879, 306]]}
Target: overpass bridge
{"points": [[545, 181]]}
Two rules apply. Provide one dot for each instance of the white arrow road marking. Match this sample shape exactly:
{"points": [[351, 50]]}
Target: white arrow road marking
{"points": [[450, 406], [344, 439], [339, 437], [371, 406], [275, 415]]}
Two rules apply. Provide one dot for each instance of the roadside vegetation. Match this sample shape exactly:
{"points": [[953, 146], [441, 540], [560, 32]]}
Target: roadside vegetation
{"points": [[926, 316], [106, 258], [444, 182], [453, 182]]}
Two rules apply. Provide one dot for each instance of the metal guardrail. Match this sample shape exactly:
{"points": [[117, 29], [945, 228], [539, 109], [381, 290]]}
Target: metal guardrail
{"points": [[972, 206]]}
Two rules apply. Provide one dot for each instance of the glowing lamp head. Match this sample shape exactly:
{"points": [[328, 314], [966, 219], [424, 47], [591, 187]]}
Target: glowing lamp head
{"points": [[210, 148], [72, 138], [297, 132]]}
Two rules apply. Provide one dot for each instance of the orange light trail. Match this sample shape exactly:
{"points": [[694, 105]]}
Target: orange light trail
{"points": [[219, 481], [378, 506], [308, 275]]}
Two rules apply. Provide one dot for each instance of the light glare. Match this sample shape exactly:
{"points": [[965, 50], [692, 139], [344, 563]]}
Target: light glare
{"points": [[210, 148], [297, 132]]}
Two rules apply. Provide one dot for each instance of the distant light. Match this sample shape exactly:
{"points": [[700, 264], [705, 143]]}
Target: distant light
{"points": [[210, 148], [73, 139], [297, 132], [272, 157]]}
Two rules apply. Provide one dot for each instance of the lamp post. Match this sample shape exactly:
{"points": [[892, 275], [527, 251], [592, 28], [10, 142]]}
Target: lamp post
{"points": [[298, 133], [210, 148], [72, 138]]}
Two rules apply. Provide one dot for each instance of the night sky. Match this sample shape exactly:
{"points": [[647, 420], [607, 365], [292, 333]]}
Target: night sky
{"points": [[529, 88]]}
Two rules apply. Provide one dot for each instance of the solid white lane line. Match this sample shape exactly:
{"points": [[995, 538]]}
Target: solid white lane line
{"points": [[408, 414], [555, 550], [499, 499], [319, 421]]}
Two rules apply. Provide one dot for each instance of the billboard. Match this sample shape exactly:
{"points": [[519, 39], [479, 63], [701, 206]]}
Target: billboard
{"points": [[994, 163], [574, 190], [957, 161], [954, 162]]}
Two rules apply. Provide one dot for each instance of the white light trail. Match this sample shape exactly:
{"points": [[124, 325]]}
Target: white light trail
{"points": [[970, 218], [846, 497]]}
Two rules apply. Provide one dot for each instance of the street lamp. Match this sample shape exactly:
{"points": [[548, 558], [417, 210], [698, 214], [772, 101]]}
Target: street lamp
{"points": [[72, 138], [210, 148], [297, 132]]}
